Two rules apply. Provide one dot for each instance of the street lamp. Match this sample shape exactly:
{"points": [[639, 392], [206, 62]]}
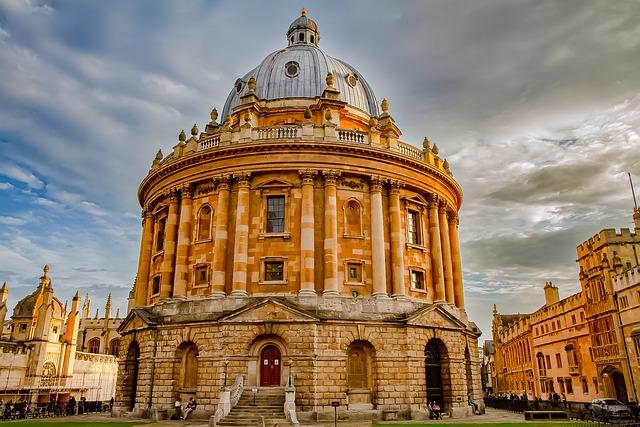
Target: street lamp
{"points": [[226, 363]]}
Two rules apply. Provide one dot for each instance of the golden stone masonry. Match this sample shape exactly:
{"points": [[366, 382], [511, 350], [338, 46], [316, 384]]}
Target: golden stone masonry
{"points": [[298, 247]]}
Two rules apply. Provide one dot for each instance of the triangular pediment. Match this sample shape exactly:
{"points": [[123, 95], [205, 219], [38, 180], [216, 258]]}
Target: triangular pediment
{"points": [[435, 315], [275, 183], [136, 319], [416, 199], [268, 311]]}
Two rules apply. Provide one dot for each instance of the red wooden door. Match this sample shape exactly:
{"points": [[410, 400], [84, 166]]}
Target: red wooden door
{"points": [[270, 367]]}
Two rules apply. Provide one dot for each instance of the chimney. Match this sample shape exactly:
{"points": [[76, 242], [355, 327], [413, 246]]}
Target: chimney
{"points": [[551, 294]]}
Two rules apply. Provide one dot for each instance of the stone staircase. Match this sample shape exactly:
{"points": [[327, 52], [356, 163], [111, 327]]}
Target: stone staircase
{"points": [[269, 404]]}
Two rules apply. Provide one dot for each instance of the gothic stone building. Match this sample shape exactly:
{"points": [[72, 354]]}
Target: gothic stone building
{"points": [[39, 358], [299, 237]]}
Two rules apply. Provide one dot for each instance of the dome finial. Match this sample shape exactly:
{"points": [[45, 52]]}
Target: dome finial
{"points": [[181, 137], [303, 12], [194, 130], [214, 114], [251, 84], [385, 106], [329, 80]]}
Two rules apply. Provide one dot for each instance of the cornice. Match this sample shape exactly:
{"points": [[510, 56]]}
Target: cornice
{"points": [[235, 150]]}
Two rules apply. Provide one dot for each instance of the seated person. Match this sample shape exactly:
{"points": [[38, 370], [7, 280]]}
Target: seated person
{"points": [[191, 406], [471, 403], [435, 411]]}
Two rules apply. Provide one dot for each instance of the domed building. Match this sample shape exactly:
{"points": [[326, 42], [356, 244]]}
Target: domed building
{"points": [[297, 249]]}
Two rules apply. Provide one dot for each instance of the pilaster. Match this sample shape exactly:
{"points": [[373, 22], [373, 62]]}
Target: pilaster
{"points": [[397, 246], [144, 263], [184, 241], [456, 264], [168, 261], [436, 250], [446, 253]]}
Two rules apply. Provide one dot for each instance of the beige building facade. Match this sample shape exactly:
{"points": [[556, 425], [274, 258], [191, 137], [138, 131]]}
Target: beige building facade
{"points": [[40, 361], [299, 240], [583, 345]]}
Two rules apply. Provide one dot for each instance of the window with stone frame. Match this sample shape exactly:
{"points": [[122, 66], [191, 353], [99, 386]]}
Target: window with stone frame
{"points": [[273, 270], [114, 347], [636, 346], [417, 280], [201, 275], [568, 385], [413, 228], [161, 223], [354, 272], [542, 368], [94, 345], [205, 215], [155, 285], [572, 358], [275, 214], [584, 384], [558, 360]]}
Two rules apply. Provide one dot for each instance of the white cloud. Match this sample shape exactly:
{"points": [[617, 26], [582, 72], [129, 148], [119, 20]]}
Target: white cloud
{"points": [[41, 201], [5, 186], [20, 174], [11, 220], [92, 208]]}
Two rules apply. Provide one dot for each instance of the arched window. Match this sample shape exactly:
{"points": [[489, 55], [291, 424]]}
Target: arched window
{"points": [[204, 223], [114, 347], [301, 37], [94, 345], [353, 218]]}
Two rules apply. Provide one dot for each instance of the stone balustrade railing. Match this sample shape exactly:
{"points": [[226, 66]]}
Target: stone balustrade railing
{"points": [[346, 135], [280, 132], [410, 150], [236, 390], [211, 142], [92, 357]]}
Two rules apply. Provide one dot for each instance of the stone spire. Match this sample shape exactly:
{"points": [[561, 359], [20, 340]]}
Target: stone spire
{"points": [[86, 306], [4, 293]]}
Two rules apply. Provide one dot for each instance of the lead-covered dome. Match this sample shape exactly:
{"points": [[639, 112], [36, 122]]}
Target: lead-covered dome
{"points": [[300, 70]]}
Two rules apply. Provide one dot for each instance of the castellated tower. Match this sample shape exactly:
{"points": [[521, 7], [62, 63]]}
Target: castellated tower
{"points": [[294, 240]]}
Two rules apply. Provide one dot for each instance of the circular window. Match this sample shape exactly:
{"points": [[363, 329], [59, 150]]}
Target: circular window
{"points": [[291, 69], [352, 79], [239, 85]]}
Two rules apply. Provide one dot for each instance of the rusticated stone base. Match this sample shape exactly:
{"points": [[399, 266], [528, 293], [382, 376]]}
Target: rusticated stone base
{"points": [[318, 340]]}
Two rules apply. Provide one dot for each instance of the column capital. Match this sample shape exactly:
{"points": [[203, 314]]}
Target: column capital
{"points": [[452, 217], [395, 185], [331, 177], [433, 200], [244, 178], [186, 191], [443, 205], [147, 212], [377, 182], [172, 195], [308, 176], [222, 182]]}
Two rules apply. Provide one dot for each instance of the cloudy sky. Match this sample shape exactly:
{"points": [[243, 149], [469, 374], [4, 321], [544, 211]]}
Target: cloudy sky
{"points": [[536, 104]]}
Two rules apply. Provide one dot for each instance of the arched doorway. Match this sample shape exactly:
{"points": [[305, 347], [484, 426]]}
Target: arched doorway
{"points": [[130, 380], [270, 362], [186, 370], [436, 364], [360, 374], [620, 386], [468, 370]]}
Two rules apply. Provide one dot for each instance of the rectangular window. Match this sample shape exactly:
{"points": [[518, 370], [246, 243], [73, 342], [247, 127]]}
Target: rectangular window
{"points": [[417, 279], [624, 303], [558, 360], [354, 272], [569, 385], [582, 316], [595, 384], [413, 230], [155, 285], [585, 385], [573, 319], [202, 275], [273, 271], [23, 327], [275, 214], [160, 233], [561, 384], [548, 358]]}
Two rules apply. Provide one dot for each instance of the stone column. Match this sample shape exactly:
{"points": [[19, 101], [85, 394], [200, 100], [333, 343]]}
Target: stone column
{"points": [[436, 250], [144, 261], [446, 253], [378, 261], [241, 242], [330, 233], [170, 237], [184, 242], [458, 290], [221, 237], [307, 243], [397, 242]]}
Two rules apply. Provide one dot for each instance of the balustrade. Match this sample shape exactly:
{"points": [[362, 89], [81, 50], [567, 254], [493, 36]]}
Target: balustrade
{"points": [[211, 142], [281, 132], [352, 136], [410, 150]]}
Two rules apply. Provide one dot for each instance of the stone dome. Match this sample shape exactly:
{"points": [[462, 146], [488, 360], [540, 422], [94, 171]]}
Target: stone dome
{"points": [[300, 71], [26, 307]]}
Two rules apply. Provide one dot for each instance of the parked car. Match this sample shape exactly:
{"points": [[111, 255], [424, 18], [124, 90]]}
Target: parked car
{"points": [[609, 408]]}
